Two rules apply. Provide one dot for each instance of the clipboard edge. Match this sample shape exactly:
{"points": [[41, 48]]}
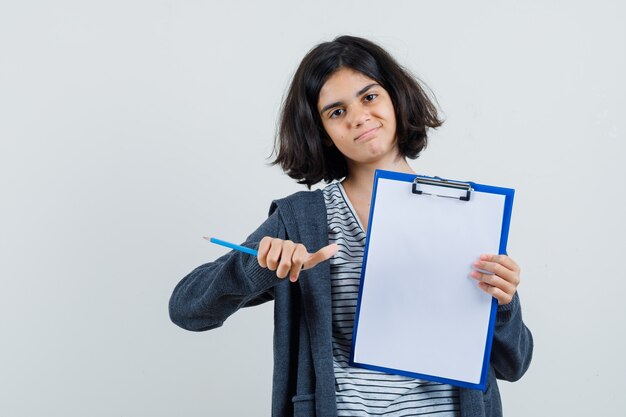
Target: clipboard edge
{"points": [[482, 385]]}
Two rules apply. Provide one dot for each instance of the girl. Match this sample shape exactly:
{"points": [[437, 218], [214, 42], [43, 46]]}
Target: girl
{"points": [[350, 109]]}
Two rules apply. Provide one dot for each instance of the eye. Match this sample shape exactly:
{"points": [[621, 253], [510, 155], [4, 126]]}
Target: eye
{"points": [[336, 113], [370, 97]]}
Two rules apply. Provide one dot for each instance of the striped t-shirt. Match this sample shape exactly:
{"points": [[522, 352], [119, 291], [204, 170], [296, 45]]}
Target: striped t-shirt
{"points": [[361, 392]]}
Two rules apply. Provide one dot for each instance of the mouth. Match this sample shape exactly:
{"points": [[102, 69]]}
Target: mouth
{"points": [[368, 134]]}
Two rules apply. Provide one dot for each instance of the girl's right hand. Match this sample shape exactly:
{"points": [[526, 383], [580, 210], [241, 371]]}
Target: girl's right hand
{"points": [[288, 258]]}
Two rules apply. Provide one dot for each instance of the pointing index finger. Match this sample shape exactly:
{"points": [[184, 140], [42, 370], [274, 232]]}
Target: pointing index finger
{"points": [[321, 255]]}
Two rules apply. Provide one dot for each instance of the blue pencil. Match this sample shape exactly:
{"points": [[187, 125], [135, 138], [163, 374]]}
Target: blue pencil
{"points": [[232, 246]]}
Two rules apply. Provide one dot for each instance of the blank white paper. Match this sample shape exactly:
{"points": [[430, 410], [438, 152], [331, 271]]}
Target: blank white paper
{"points": [[420, 310]]}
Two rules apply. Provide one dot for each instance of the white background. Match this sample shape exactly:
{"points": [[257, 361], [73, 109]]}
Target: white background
{"points": [[129, 129]]}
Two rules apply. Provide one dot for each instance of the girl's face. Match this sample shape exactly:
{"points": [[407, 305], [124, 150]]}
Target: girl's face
{"points": [[359, 117]]}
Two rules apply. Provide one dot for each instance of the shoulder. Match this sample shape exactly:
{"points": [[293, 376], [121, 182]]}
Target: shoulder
{"points": [[302, 201]]}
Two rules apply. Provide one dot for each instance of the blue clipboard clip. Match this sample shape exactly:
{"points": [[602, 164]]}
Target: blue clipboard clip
{"points": [[440, 182]]}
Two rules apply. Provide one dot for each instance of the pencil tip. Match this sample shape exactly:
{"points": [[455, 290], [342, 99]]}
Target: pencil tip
{"points": [[207, 238]]}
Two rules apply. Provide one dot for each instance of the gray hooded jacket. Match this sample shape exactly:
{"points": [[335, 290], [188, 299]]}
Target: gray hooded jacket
{"points": [[303, 381]]}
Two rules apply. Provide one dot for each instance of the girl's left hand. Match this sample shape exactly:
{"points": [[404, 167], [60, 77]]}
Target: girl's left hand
{"points": [[497, 275]]}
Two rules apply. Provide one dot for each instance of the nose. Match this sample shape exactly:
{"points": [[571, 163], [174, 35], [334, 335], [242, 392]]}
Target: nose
{"points": [[359, 115]]}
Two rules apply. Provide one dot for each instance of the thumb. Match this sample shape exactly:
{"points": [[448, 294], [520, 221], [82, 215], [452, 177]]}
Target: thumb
{"points": [[321, 255]]}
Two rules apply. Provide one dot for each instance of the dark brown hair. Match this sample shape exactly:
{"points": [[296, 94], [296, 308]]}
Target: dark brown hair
{"points": [[300, 140]]}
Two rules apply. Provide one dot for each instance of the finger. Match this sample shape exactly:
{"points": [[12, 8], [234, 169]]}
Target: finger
{"points": [[264, 247], [504, 260], [495, 268], [494, 281], [297, 262], [285, 258], [273, 256], [497, 293], [321, 255]]}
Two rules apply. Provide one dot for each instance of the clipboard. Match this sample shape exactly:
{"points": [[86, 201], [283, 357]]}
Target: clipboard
{"points": [[419, 313]]}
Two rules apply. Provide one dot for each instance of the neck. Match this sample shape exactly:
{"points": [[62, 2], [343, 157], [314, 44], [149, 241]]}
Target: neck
{"points": [[360, 179]]}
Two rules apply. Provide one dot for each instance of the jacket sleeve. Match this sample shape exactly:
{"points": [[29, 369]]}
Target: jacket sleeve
{"points": [[512, 342], [208, 295]]}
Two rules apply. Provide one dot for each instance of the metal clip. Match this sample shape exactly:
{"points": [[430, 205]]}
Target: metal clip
{"points": [[440, 182]]}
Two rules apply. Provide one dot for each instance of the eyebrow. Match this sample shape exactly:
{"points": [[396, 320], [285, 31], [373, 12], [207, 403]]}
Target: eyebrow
{"points": [[358, 93]]}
